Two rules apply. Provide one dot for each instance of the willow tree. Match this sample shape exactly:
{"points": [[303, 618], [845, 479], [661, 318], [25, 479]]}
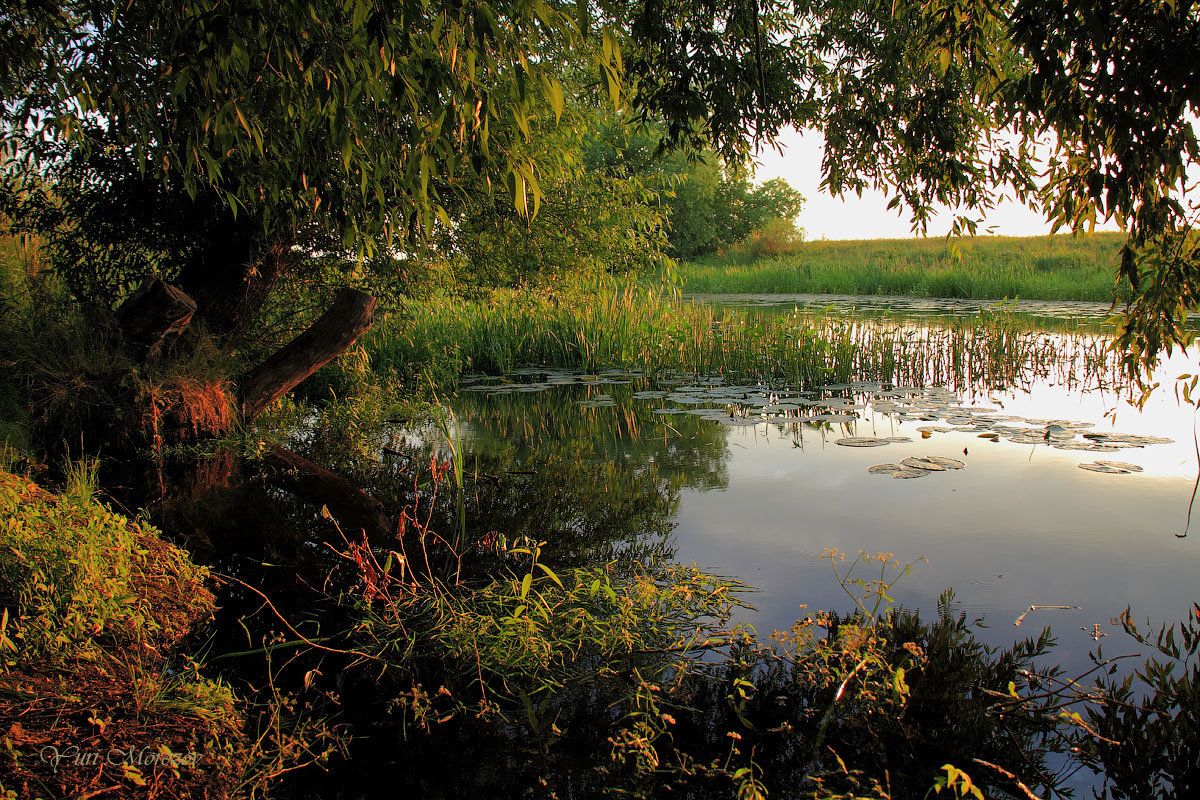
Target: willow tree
{"points": [[1085, 109], [221, 132], [223, 129], [204, 141]]}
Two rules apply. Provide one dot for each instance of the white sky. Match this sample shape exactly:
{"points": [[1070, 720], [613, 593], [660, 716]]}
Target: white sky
{"points": [[867, 217]]}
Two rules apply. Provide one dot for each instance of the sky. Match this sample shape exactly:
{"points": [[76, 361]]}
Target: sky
{"points": [[867, 217]]}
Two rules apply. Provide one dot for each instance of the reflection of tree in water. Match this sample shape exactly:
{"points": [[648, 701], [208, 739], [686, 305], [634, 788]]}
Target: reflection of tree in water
{"points": [[568, 488], [686, 451], [586, 512], [591, 510]]}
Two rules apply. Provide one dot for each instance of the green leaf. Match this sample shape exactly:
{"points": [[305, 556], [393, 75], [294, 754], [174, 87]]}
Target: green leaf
{"points": [[133, 774], [427, 167], [522, 120], [554, 94], [516, 185], [550, 574], [526, 582], [582, 17], [242, 119]]}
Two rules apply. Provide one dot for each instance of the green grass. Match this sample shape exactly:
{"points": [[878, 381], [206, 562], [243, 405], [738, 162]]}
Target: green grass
{"points": [[431, 343], [76, 576], [1061, 267]]}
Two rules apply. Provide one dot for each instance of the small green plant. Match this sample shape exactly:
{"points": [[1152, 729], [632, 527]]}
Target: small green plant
{"points": [[871, 596], [958, 782], [81, 479]]}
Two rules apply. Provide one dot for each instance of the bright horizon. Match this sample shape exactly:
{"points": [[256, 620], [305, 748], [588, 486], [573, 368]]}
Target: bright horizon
{"points": [[868, 217]]}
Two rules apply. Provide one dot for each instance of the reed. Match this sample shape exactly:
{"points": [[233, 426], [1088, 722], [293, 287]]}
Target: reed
{"points": [[1061, 267], [433, 343]]}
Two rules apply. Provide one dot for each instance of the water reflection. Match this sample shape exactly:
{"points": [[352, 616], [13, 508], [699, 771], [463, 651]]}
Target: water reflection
{"points": [[748, 480], [763, 486], [1071, 311]]}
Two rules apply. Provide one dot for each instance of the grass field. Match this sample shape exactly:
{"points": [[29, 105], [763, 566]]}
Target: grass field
{"points": [[1061, 267]]}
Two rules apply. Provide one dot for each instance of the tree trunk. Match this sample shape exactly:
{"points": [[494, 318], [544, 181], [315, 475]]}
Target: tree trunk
{"points": [[153, 316], [350, 315], [220, 270]]}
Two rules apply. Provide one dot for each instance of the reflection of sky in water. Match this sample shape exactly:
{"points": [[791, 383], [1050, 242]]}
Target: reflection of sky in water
{"points": [[1021, 525]]}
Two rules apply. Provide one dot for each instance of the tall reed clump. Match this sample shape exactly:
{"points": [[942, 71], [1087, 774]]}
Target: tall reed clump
{"points": [[626, 326], [1036, 268], [433, 343]]}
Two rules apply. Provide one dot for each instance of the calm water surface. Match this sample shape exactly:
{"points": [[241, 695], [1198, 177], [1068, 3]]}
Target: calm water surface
{"points": [[758, 488], [907, 304]]}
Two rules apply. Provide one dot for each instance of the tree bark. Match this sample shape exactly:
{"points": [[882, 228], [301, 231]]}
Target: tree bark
{"points": [[352, 508], [220, 270], [154, 315], [350, 315]]}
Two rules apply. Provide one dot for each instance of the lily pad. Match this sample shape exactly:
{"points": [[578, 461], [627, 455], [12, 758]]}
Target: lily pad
{"points": [[739, 422], [862, 441], [1127, 439], [914, 462], [1111, 467], [837, 418], [1025, 438], [688, 400], [875, 469], [943, 462], [909, 472]]}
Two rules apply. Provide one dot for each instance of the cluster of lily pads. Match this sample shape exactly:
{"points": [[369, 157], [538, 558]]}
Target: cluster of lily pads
{"points": [[736, 405], [917, 467]]}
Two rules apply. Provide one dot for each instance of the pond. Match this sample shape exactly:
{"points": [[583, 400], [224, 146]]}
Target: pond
{"points": [[1047, 488], [916, 306], [996, 452]]}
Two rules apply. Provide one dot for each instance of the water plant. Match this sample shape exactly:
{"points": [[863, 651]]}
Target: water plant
{"points": [[649, 330]]}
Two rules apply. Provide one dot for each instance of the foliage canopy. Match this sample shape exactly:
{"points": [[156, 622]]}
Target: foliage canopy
{"points": [[247, 123]]}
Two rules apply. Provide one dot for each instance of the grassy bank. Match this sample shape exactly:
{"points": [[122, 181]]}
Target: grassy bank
{"points": [[1060, 267], [96, 699]]}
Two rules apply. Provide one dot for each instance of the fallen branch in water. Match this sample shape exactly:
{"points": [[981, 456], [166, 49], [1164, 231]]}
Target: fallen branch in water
{"points": [[1021, 618]]}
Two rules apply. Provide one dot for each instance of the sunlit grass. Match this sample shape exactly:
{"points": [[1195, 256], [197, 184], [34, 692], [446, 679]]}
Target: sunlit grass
{"points": [[433, 343], [1058, 267]]}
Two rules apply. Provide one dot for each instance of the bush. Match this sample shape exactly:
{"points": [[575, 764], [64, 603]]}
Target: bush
{"points": [[777, 237], [75, 575]]}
